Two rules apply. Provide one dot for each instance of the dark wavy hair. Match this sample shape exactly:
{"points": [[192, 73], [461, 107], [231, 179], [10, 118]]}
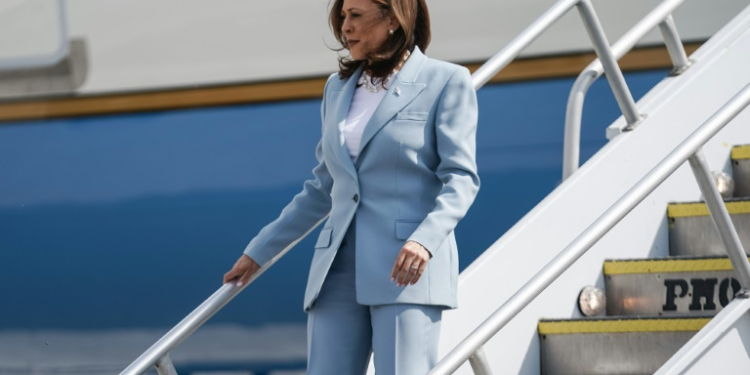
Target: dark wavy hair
{"points": [[414, 19]]}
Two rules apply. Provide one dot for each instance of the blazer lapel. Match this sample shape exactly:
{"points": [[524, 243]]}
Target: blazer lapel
{"points": [[401, 92], [342, 100]]}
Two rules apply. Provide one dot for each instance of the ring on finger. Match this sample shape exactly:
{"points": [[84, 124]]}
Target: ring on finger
{"points": [[416, 270]]}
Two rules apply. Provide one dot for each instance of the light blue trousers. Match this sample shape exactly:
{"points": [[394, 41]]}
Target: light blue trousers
{"points": [[341, 334]]}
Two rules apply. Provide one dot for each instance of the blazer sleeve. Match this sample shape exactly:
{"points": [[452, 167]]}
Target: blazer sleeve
{"points": [[455, 128], [305, 212]]}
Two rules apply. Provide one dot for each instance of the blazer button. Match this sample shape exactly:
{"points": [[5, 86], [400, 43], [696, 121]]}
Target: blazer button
{"points": [[356, 198]]}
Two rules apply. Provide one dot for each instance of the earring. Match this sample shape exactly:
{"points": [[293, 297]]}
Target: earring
{"points": [[390, 32]]}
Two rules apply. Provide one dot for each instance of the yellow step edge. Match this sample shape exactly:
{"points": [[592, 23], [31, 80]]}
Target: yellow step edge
{"points": [[741, 152], [622, 326], [676, 210], [666, 266]]}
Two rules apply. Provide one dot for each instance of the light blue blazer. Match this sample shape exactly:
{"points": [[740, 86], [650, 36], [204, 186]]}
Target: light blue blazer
{"points": [[414, 179]]}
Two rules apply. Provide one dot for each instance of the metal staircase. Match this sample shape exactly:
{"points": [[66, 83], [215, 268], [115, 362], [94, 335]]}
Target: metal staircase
{"points": [[625, 176], [654, 306], [623, 183]]}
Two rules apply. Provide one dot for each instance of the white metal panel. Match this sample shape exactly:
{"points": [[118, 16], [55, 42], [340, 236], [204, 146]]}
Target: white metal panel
{"points": [[730, 355], [721, 347], [28, 27], [142, 44], [678, 106]]}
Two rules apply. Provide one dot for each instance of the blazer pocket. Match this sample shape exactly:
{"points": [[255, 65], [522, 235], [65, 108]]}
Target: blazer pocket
{"points": [[414, 116], [324, 239], [404, 229]]}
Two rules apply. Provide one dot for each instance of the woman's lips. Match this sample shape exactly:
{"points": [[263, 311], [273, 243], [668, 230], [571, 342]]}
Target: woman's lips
{"points": [[352, 42]]}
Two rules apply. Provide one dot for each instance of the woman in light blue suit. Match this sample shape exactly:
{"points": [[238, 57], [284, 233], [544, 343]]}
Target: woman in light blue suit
{"points": [[396, 172]]}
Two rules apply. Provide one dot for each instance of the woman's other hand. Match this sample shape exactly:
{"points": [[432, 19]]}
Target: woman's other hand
{"points": [[244, 268], [410, 263]]}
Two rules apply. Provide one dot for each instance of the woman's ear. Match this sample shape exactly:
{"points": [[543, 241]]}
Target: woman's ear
{"points": [[393, 23]]}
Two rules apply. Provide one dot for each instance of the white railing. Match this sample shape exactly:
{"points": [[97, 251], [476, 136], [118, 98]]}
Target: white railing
{"points": [[158, 354], [661, 16], [597, 36]]}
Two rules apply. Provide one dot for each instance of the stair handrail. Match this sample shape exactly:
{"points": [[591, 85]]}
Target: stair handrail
{"points": [[689, 149], [661, 17], [158, 354], [501, 59], [599, 41]]}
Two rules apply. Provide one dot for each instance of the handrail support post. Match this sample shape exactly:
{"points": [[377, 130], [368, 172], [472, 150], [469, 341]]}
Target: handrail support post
{"points": [[721, 219], [164, 366], [674, 46], [573, 119], [609, 62], [479, 362]]}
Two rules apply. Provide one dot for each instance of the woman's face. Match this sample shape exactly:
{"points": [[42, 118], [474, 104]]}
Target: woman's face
{"points": [[365, 27]]}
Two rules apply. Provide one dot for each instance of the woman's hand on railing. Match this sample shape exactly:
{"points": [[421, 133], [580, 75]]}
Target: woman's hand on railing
{"points": [[244, 268]]}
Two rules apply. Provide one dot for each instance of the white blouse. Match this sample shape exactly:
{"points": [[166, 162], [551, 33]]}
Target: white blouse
{"points": [[363, 106]]}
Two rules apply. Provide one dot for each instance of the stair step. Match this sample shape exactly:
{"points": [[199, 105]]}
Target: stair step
{"points": [[692, 232], [612, 345], [741, 170], [697, 286]]}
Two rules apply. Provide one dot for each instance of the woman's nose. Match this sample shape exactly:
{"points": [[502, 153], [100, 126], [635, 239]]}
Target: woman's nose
{"points": [[346, 27]]}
